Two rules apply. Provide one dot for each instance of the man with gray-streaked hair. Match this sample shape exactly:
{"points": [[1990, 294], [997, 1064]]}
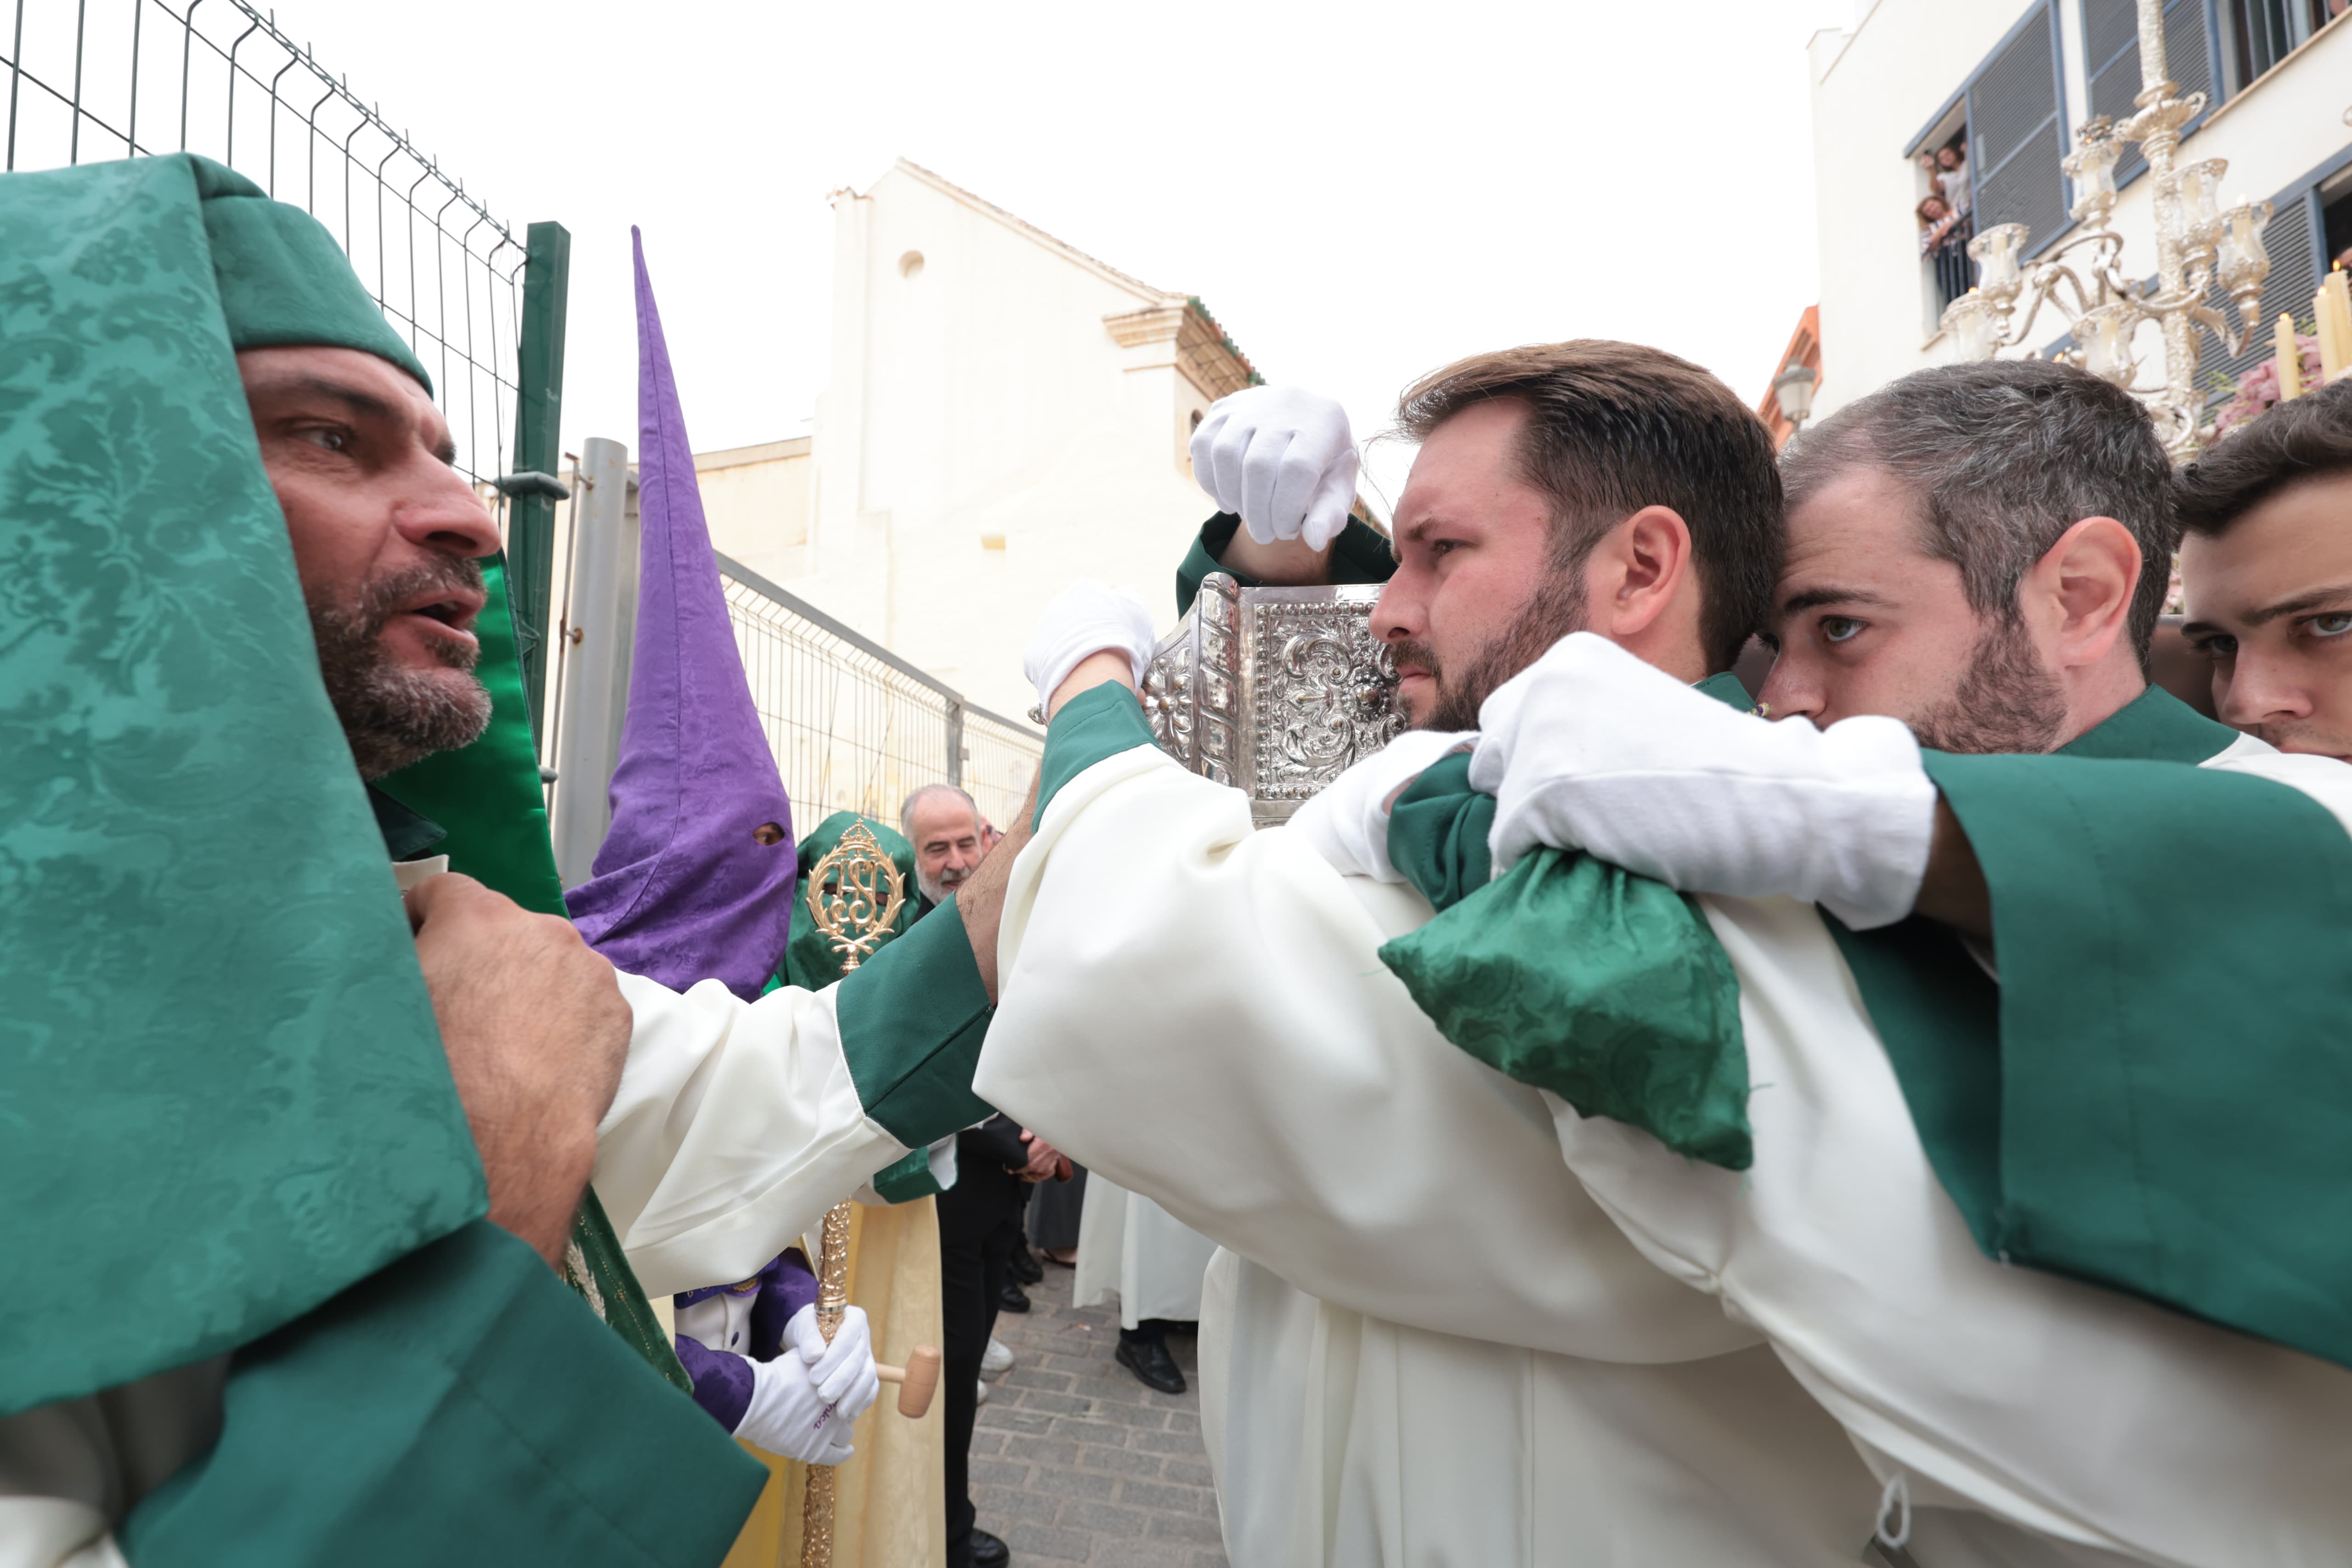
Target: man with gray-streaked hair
{"points": [[943, 824], [1981, 550]]}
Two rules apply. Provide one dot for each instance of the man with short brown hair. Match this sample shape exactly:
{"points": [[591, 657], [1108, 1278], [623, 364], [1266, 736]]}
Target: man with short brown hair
{"points": [[1422, 1342], [2266, 566]]}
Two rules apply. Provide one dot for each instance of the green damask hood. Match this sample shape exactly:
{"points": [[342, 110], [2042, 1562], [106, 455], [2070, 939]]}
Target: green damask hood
{"points": [[283, 279], [809, 959], [222, 1095]]}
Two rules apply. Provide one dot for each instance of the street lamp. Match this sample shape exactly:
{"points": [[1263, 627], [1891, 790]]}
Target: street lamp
{"points": [[1794, 389]]}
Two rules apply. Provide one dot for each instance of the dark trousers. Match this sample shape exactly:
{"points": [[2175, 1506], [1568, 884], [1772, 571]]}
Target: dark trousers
{"points": [[980, 1221]]}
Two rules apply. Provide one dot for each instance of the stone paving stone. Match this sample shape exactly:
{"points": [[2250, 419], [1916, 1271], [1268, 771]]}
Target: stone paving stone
{"points": [[1075, 1461]]}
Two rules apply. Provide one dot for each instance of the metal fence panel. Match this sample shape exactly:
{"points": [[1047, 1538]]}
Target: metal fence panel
{"points": [[856, 728], [88, 80]]}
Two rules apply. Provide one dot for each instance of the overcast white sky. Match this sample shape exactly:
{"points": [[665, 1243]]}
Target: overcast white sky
{"points": [[1359, 192]]}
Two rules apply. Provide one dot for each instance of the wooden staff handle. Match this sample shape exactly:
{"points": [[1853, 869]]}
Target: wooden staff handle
{"points": [[916, 1381]]}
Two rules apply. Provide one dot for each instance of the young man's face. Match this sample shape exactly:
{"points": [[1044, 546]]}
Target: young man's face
{"points": [[1475, 597], [946, 845], [385, 534], [1866, 621], [2270, 602]]}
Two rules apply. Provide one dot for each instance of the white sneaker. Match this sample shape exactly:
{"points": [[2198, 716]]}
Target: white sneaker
{"points": [[983, 1396], [998, 1361]]}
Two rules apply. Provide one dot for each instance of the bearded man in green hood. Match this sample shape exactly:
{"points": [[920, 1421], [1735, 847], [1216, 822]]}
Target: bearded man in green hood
{"points": [[286, 1170]]}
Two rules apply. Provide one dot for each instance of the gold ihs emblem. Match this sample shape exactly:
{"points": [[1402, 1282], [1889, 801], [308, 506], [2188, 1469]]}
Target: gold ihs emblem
{"points": [[854, 894]]}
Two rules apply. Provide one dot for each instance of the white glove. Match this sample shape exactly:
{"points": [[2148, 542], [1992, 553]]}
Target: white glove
{"points": [[786, 1417], [1284, 459], [1348, 824], [1086, 618], [843, 1370], [1590, 748]]}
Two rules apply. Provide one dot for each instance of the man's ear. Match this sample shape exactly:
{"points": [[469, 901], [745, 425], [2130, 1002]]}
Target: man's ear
{"points": [[1632, 574], [2080, 592]]}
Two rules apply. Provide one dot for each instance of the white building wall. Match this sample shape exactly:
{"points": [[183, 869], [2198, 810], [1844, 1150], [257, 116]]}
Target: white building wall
{"points": [[985, 439], [760, 501], [1875, 88]]}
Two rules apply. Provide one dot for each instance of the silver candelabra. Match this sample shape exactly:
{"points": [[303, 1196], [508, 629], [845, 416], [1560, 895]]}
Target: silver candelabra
{"points": [[2198, 242]]}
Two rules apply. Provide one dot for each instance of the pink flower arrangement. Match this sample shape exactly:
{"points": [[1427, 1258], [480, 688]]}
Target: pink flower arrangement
{"points": [[2258, 389]]}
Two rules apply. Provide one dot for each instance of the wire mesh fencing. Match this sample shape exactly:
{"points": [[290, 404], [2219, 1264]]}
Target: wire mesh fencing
{"points": [[856, 728], [89, 81]]}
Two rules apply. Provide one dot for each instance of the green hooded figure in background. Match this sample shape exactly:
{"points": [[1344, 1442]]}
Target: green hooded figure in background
{"points": [[258, 1315]]}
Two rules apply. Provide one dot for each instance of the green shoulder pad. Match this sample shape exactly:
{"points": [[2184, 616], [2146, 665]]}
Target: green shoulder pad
{"points": [[1605, 987]]}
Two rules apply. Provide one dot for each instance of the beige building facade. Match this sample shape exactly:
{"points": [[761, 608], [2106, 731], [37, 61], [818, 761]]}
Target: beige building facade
{"points": [[1004, 414], [2009, 82]]}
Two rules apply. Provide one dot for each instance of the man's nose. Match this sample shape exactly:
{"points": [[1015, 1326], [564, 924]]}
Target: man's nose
{"points": [[438, 511], [2258, 692], [1786, 694], [1397, 616]]}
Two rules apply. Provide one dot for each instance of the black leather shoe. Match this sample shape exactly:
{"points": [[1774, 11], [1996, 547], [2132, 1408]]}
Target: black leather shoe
{"points": [[988, 1552], [1152, 1365], [1015, 1299], [1023, 1267]]}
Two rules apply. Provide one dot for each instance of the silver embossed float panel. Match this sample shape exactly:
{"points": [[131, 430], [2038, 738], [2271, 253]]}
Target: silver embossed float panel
{"points": [[1273, 690]]}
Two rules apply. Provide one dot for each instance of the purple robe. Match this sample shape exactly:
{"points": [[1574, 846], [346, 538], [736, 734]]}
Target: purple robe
{"points": [[722, 1374]]}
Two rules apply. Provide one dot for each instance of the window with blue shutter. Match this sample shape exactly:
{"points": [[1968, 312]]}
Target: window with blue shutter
{"points": [[2255, 34], [2017, 132]]}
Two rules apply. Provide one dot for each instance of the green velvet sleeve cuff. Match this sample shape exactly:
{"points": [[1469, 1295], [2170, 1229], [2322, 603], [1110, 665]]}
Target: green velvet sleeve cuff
{"points": [[1099, 723], [459, 1406], [1437, 833], [912, 1020], [2168, 1105], [1360, 555], [907, 1179]]}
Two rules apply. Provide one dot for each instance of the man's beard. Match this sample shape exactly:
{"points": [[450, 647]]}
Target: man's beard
{"points": [[392, 716], [1554, 610], [937, 889], [2006, 702]]}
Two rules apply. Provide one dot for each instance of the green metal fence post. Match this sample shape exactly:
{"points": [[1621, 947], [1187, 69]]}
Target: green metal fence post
{"points": [[538, 411]]}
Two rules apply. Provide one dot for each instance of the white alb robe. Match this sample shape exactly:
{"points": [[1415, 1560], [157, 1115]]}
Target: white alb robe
{"points": [[1427, 1345], [1377, 1189]]}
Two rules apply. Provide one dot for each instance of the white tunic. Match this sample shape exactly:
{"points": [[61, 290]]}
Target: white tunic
{"points": [[1131, 1249], [1439, 1350], [1378, 1198]]}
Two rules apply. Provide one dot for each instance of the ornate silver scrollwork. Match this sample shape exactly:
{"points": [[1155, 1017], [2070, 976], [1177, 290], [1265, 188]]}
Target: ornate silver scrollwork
{"points": [[1274, 691]]}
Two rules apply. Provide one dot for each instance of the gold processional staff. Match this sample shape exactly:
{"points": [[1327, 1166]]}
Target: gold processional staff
{"points": [[854, 894]]}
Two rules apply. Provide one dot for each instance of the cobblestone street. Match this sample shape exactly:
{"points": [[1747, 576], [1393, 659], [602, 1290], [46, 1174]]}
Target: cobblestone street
{"points": [[1075, 1461]]}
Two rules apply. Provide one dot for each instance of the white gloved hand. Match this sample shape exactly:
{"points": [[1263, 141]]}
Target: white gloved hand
{"points": [[1347, 823], [843, 1370], [1284, 459], [1590, 748], [788, 1416], [1086, 618]]}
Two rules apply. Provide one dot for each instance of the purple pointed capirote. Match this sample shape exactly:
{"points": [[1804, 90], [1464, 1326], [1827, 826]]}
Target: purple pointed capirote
{"points": [[683, 890]]}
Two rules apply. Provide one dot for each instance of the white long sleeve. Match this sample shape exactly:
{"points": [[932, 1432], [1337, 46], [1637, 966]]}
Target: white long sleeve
{"points": [[737, 1125], [1198, 1011]]}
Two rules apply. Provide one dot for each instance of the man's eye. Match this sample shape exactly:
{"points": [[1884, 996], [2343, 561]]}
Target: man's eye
{"points": [[2329, 625], [325, 437], [1444, 546], [1840, 628], [2221, 645]]}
